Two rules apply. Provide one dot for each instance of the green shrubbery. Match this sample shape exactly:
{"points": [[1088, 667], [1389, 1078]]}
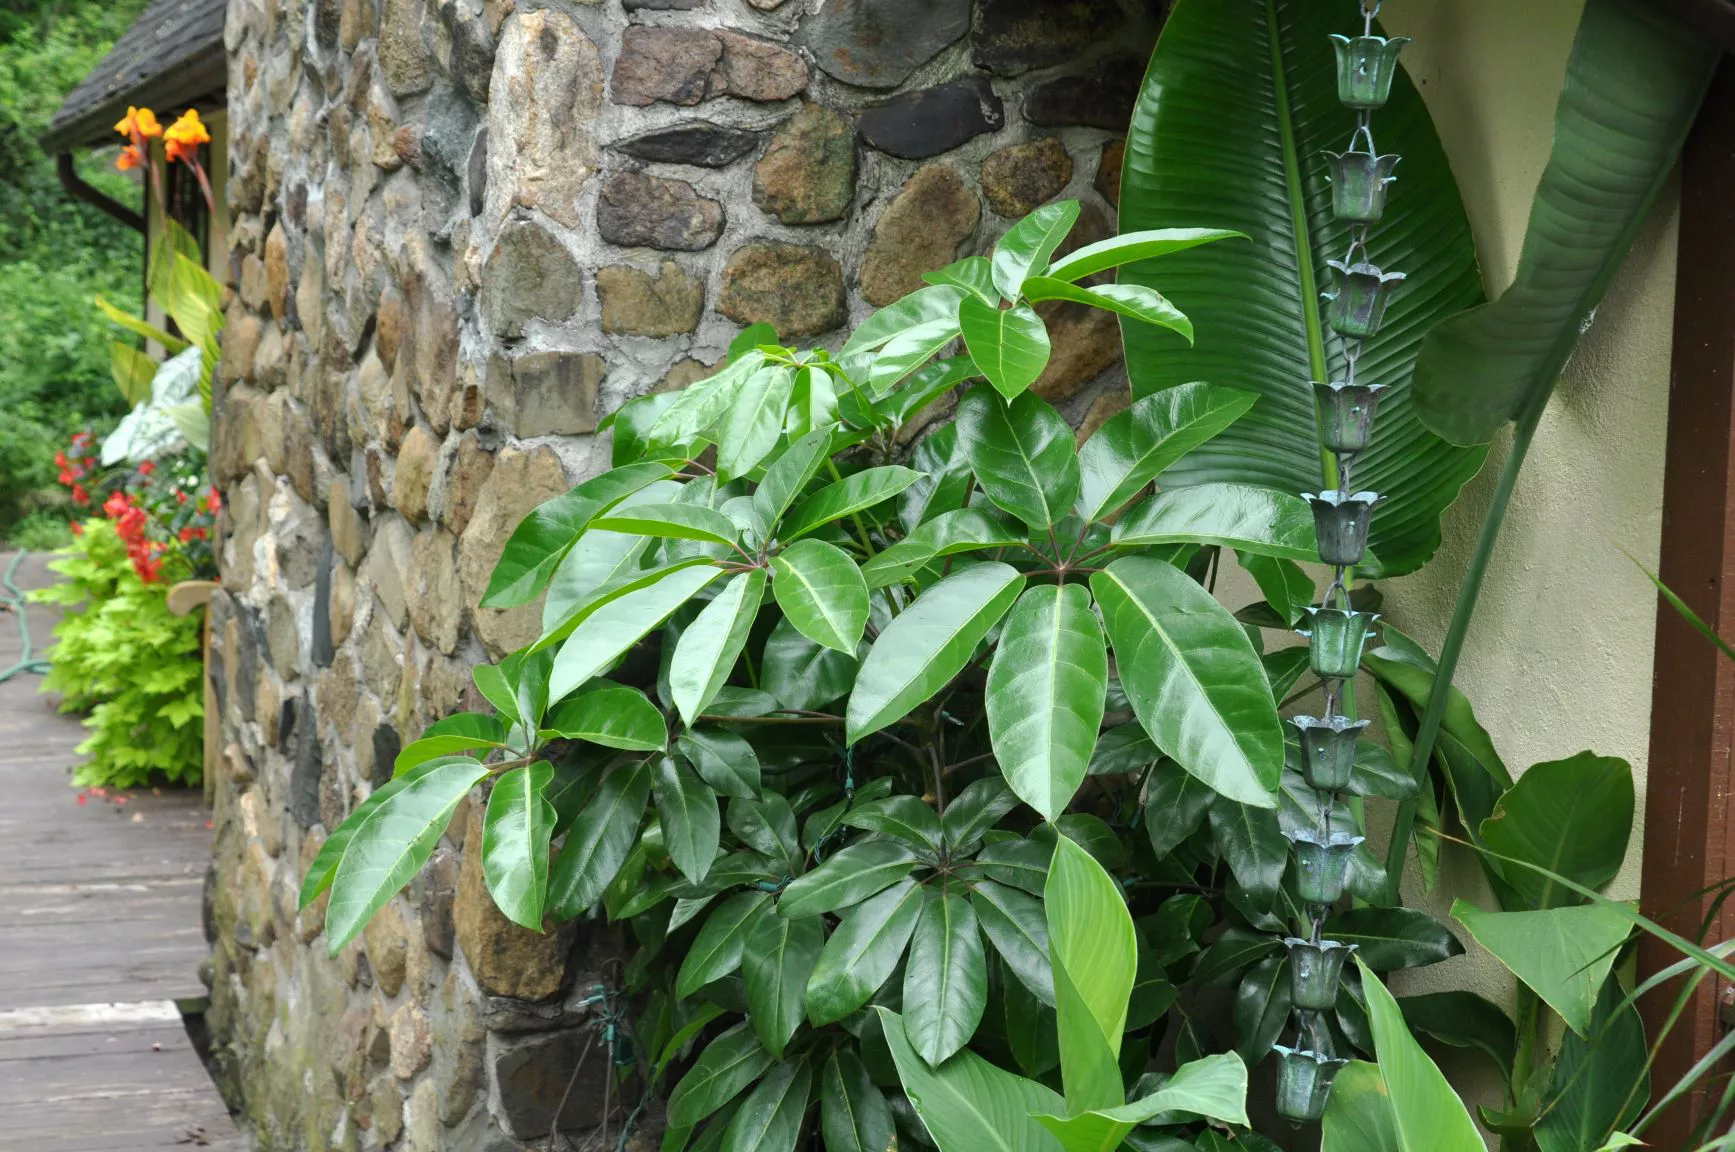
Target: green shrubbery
{"points": [[124, 658]]}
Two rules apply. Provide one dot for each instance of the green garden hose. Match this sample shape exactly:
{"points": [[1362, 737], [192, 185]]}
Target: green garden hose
{"points": [[12, 599]]}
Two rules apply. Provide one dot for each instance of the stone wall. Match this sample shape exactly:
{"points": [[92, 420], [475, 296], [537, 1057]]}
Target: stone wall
{"points": [[462, 233]]}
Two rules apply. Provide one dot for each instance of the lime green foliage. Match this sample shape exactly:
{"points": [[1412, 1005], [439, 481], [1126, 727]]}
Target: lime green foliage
{"points": [[126, 660], [55, 253]]}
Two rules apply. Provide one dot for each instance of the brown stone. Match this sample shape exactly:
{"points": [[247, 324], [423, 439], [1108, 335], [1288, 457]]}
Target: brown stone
{"points": [[458, 1050], [277, 272], [760, 70], [355, 24], [387, 939], [807, 174], [431, 590], [415, 472], [1101, 410], [340, 612], [422, 1127], [506, 959], [1019, 179], [797, 290], [412, 1041], [348, 529], [439, 882], [1108, 171], [240, 341], [403, 53], [547, 393], [520, 481], [545, 102], [388, 563], [919, 231], [636, 210], [675, 65], [685, 371], [530, 275], [385, 1110], [1086, 341], [390, 321], [635, 303], [471, 466]]}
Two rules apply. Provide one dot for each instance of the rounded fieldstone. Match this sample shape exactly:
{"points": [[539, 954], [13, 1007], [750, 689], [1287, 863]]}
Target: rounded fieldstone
{"points": [[807, 175], [1108, 171], [797, 290], [1020, 179], [544, 393], [878, 43], [673, 65], [919, 231], [1104, 99], [529, 275], [759, 70], [697, 142], [1014, 36], [636, 210], [635, 303], [546, 99], [930, 121]]}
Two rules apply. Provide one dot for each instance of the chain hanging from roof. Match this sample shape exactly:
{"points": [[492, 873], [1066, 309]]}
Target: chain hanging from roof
{"points": [[1355, 307]]}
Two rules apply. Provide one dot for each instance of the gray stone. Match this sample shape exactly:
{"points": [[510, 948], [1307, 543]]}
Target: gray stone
{"points": [[1014, 36], [323, 648], [476, 173], [697, 142], [662, 5], [306, 777], [807, 175], [930, 121], [636, 303], [532, 1074], [403, 53], [546, 393], [473, 51], [1104, 99], [422, 1128], [544, 104], [878, 43], [386, 746], [1021, 178], [637, 210], [797, 290], [530, 275], [439, 886], [919, 231]]}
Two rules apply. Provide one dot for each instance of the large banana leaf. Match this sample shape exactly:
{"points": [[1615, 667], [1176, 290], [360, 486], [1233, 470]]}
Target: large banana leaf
{"points": [[1634, 83], [1239, 102]]}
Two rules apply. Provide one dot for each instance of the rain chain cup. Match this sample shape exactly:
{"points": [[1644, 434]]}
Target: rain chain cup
{"points": [[1355, 307]]}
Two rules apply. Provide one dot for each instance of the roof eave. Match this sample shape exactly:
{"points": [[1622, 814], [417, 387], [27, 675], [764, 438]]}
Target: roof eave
{"points": [[198, 80]]}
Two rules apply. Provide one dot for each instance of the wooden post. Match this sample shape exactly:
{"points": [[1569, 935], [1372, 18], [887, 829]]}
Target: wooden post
{"points": [[1689, 838], [185, 597]]}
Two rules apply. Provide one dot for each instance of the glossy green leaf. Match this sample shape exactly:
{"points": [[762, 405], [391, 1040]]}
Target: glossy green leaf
{"points": [[1427, 1115], [1252, 843], [906, 818], [1017, 926], [599, 841], [1045, 695], [822, 593], [802, 675], [605, 636], [1095, 958], [698, 407], [430, 747], [1214, 1087], [1176, 803], [630, 578], [687, 810], [671, 522], [1247, 519], [863, 952], [717, 950], [1563, 954], [1287, 588], [1239, 104], [767, 822], [542, 538], [491, 681], [769, 1120], [1132, 300], [968, 1104], [723, 760], [1358, 1114], [1025, 249], [852, 494], [1406, 668], [974, 274], [788, 476], [709, 647], [1392, 938], [1262, 1004], [1633, 84], [515, 833], [908, 351], [1192, 676], [923, 306], [1464, 1020], [974, 811], [928, 644], [776, 966], [1232, 953], [1024, 454], [924, 387], [754, 422], [812, 403], [846, 878], [1135, 446], [945, 978], [1133, 247], [1572, 817], [948, 534], [726, 1066], [1601, 1083], [323, 870], [389, 845], [853, 1113], [1010, 346], [611, 715]]}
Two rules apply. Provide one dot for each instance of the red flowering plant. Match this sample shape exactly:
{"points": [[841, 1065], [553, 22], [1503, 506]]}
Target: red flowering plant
{"points": [[161, 510]]}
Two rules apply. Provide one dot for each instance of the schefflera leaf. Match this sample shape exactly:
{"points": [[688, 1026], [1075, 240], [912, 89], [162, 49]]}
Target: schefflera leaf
{"points": [[1193, 678], [1094, 953], [516, 830]]}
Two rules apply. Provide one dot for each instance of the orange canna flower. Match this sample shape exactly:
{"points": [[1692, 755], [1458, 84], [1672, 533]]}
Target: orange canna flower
{"points": [[182, 140], [139, 122], [130, 157]]}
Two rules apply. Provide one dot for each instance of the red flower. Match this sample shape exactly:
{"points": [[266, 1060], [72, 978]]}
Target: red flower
{"points": [[116, 505], [80, 496], [147, 467], [180, 496], [60, 460], [77, 528], [216, 500]]}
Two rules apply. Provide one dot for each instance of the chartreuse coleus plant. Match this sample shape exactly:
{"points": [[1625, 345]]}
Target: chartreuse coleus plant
{"points": [[810, 710]]}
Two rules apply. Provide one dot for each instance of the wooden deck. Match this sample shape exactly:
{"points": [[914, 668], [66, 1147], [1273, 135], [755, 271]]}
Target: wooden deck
{"points": [[99, 937]]}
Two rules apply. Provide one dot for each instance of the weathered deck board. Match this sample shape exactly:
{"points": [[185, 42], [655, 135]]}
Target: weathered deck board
{"points": [[99, 935]]}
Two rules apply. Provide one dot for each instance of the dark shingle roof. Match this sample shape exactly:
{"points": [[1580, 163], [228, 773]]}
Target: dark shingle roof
{"points": [[171, 57]]}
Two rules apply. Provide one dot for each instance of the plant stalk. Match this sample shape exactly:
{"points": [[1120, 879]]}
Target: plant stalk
{"points": [[1428, 729]]}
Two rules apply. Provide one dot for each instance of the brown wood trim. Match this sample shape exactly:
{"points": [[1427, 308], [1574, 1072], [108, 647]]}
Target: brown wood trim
{"points": [[1689, 841]]}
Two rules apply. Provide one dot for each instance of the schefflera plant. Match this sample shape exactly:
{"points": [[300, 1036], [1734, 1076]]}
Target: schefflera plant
{"points": [[810, 709]]}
